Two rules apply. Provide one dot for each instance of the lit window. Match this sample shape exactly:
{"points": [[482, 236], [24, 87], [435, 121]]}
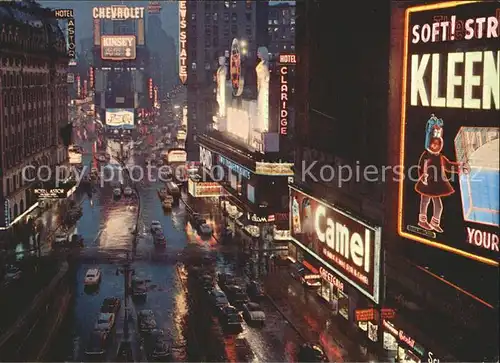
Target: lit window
{"points": [[275, 21], [193, 66], [270, 22], [226, 4], [193, 16], [207, 66]]}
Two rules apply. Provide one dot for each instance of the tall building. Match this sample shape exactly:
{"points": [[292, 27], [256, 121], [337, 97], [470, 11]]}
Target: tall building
{"points": [[281, 28], [163, 56], [348, 129], [212, 25], [33, 103]]}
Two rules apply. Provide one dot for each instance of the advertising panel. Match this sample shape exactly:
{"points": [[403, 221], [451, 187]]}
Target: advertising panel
{"points": [[237, 80], [74, 157], [449, 129], [123, 118], [177, 156], [54, 193], [183, 74], [206, 158], [118, 12], [181, 135], [275, 169], [342, 243], [118, 47], [234, 167], [205, 189]]}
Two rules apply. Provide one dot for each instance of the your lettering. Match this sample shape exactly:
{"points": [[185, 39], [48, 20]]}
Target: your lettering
{"points": [[482, 239]]}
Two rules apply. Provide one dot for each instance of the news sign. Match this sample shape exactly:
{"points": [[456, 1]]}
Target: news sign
{"points": [[54, 193], [449, 129], [345, 245], [123, 118], [118, 47]]}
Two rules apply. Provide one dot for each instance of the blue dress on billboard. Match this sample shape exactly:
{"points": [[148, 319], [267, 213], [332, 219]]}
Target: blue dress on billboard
{"points": [[432, 124]]}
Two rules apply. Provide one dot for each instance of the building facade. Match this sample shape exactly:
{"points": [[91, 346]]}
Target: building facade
{"points": [[402, 296], [211, 28], [281, 28], [34, 102]]}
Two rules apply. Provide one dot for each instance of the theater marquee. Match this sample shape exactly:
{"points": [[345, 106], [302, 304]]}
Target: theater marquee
{"points": [[449, 129]]}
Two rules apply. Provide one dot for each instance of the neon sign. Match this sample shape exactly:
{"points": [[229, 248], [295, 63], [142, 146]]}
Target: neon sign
{"points": [[118, 13], [183, 74], [283, 100], [238, 169], [150, 88], [91, 77], [237, 80]]}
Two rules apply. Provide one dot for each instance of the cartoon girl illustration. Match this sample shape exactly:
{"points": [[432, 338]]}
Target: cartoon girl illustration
{"points": [[433, 183]]}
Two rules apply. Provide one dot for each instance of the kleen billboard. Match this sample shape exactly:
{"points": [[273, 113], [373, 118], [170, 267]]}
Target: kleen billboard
{"points": [[118, 47], [449, 139]]}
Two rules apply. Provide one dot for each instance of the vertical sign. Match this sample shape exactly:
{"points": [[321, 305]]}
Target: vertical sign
{"points": [[285, 61], [140, 31], [155, 101], [78, 86], [91, 77], [150, 88], [85, 83], [448, 197], [71, 39], [183, 74], [97, 31]]}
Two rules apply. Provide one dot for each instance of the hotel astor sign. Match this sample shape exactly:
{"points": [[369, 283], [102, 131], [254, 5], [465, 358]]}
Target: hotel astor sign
{"points": [[344, 244]]}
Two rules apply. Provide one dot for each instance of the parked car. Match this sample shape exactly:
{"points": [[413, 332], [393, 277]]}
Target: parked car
{"points": [[146, 321], [237, 295], [97, 343], [206, 281], [76, 240], [13, 273], [230, 317], [311, 353], [218, 298], [255, 290], [105, 322], [92, 277], [205, 229], [159, 239], [60, 239], [156, 346], [139, 288], [111, 305], [252, 312], [128, 191], [225, 279]]}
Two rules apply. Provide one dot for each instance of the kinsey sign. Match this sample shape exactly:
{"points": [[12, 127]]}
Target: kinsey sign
{"points": [[183, 74], [118, 12], [342, 243], [449, 129]]}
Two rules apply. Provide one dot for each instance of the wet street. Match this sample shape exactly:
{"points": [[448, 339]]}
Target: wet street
{"points": [[181, 307]]}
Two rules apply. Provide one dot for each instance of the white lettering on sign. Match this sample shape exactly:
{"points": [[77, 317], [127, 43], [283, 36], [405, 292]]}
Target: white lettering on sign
{"points": [[120, 41], [71, 38], [118, 12], [431, 359], [255, 218], [331, 279], [183, 74], [206, 158], [338, 238], [465, 71], [486, 240], [283, 100]]}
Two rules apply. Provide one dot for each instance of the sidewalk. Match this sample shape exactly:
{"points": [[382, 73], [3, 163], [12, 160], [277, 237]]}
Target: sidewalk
{"points": [[313, 319]]}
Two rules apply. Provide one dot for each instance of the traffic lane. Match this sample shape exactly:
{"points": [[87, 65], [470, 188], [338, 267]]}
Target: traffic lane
{"points": [[75, 333], [276, 340]]}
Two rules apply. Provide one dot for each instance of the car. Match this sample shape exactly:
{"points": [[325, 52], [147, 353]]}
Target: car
{"points": [[218, 298], [128, 191], [237, 295], [159, 239], [252, 312], [139, 288], [105, 322], [13, 273], [255, 290], [92, 277], [146, 321], [101, 158], [311, 353], [206, 281], [117, 192], [156, 225], [156, 346], [225, 279], [97, 343], [111, 305], [231, 317], [205, 229], [76, 240], [94, 171], [60, 239]]}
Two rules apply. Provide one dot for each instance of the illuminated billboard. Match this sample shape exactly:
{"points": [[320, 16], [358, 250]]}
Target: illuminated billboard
{"points": [[449, 129], [123, 118], [118, 47], [286, 61], [347, 246], [201, 189], [177, 156], [237, 80], [118, 12], [183, 74]]}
